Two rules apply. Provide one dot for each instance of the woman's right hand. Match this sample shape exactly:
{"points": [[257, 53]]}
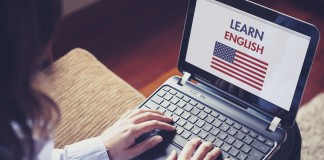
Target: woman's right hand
{"points": [[203, 151]]}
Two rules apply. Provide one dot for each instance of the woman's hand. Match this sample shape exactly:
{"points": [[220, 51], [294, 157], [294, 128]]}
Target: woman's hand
{"points": [[119, 139], [203, 151]]}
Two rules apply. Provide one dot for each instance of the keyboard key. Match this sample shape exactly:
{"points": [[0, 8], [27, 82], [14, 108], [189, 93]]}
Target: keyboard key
{"points": [[202, 115], [232, 131], [229, 122], [255, 155], [253, 134], [179, 130], [186, 98], [181, 122], [214, 114], [203, 134], [214, 131], [168, 113], [195, 130], [161, 93], [261, 147], [173, 91], [185, 134], [217, 123], [246, 148], [180, 103], [175, 118], [188, 107], [185, 115], [247, 139], [210, 138], [193, 102], [207, 110], [234, 152], [193, 119], [178, 111], [172, 107], [188, 126], [174, 100], [222, 135], [152, 105], [209, 119], [207, 127], [165, 104], [200, 123], [192, 137], [179, 95], [166, 88], [238, 144], [157, 99], [195, 111], [230, 139], [177, 139], [167, 96], [261, 139], [226, 147], [224, 127], [245, 130], [240, 135], [269, 143], [222, 118], [218, 143], [161, 109], [200, 106], [237, 126], [242, 156]]}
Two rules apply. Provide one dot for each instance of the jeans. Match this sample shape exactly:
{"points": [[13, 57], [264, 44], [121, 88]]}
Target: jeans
{"points": [[291, 148]]}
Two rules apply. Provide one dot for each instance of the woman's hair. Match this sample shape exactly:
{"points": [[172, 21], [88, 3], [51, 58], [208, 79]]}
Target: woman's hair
{"points": [[26, 28]]}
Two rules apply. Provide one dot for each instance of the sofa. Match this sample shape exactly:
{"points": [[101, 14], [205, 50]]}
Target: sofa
{"points": [[91, 98]]}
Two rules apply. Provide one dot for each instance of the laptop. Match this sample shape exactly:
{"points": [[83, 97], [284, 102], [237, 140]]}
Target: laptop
{"points": [[244, 69]]}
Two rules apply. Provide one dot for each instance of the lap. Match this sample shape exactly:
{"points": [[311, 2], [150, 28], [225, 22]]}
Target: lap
{"points": [[291, 148]]}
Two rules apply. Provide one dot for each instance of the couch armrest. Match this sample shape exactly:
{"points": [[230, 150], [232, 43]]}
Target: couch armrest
{"points": [[90, 96]]}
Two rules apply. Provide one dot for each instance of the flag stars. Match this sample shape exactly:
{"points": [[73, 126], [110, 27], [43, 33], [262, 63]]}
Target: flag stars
{"points": [[224, 52]]}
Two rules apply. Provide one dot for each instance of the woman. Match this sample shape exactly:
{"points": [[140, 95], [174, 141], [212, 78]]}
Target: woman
{"points": [[28, 116]]}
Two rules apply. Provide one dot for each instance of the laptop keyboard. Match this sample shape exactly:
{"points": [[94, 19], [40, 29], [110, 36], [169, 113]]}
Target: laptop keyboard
{"points": [[193, 119]]}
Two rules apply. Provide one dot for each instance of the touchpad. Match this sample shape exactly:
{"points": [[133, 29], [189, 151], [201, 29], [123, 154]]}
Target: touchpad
{"points": [[159, 152]]}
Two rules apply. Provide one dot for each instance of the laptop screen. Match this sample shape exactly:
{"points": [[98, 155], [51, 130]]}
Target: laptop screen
{"points": [[256, 55], [249, 57]]}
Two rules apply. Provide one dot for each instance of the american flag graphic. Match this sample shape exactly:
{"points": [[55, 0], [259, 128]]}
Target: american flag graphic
{"points": [[239, 65]]}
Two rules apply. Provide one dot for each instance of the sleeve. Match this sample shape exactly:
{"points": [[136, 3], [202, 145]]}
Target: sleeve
{"points": [[92, 149]]}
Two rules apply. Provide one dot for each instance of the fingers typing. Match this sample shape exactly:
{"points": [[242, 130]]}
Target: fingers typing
{"points": [[202, 150], [148, 126], [147, 116]]}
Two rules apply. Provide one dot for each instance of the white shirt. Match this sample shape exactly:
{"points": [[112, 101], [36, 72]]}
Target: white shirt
{"points": [[89, 149]]}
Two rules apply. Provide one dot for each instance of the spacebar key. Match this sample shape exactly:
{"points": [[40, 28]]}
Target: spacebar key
{"points": [[178, 140]]}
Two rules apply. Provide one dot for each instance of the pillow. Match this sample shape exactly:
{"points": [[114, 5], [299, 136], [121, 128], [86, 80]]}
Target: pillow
{"points": [[89, 95]]}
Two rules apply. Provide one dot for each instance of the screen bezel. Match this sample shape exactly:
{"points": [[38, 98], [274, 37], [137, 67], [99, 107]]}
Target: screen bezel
{"points": [[288, 118]]}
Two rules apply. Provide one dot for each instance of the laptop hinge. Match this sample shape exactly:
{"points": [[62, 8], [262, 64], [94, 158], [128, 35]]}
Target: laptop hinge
{"points": [[274, 124], [184, 78]]}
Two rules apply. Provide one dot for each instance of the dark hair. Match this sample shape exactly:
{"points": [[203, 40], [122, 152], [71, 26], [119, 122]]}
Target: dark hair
{"points": [[26, 27]]}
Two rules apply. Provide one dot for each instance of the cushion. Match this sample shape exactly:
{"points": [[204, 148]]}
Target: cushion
{"points": [[310, 119], [89, 95]]}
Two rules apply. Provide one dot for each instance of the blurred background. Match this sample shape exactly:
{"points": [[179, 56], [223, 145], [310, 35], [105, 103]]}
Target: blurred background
{"points": [[140, 40]]}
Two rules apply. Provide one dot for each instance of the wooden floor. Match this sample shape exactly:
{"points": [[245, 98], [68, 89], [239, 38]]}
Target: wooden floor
{"points": [[140, 40]]}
